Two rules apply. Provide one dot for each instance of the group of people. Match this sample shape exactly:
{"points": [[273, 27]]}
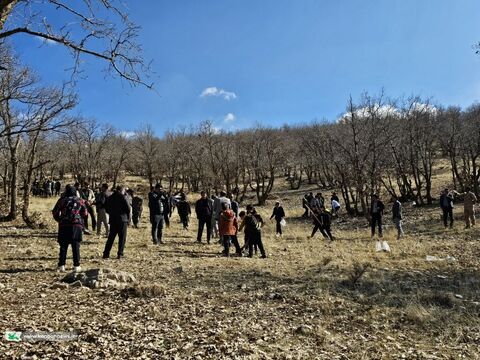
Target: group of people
{"points": [[219, 215], [47, 188], [116, 209]]}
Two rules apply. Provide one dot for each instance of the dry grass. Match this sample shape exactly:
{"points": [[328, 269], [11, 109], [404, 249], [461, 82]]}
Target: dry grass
{"points": [[309, 299]]}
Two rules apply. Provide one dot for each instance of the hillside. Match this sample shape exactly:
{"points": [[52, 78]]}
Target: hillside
{"points": [[309, 299]]}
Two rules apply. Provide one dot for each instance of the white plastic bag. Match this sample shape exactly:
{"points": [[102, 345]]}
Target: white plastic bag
{"points": [[378, 246], [385, 246], [283, 223]]}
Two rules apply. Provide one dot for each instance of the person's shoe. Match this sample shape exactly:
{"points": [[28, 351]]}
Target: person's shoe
{"points": [[86, 232], [61, 268], [239, 254], [105, 257], [161, 242], [119, 257], [263, 256], [77, 268]]}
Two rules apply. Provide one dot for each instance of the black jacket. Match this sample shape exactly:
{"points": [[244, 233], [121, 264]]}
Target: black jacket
{"points": [[183, 208], [446, 201], [158, 204], [117, 208], [380, 208], [278, 213], [397, 210], [204, 209]]}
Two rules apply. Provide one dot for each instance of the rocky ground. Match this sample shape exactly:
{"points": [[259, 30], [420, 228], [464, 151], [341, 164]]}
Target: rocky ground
{"points": [[309, 300]]}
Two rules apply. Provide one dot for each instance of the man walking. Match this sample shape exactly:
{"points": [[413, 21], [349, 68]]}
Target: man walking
{"points": [[119, 213], [279, 214], [156, 205], [203, 209]]}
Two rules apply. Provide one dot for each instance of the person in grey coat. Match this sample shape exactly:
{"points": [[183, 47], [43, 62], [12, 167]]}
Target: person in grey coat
{"points": [[397, 216]]}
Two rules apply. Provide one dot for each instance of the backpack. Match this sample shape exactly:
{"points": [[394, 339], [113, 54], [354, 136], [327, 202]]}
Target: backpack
{"points": [[70, 211]]}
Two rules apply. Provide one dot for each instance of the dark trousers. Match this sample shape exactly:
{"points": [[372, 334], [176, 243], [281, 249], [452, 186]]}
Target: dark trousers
{"points": [[201, 224], [325, 231], [91, 212], [184, 220], [447, 213], [377, 220], [119, 229], [135, 217], [62, 257], [279, 227], [226, 244], [166, 218], [255, 239], [157, 228]]}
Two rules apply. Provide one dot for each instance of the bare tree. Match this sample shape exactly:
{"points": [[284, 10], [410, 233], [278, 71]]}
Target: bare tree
{"points": [[98, 28]]}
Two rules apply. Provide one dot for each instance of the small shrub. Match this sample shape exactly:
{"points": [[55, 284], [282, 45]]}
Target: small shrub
{"points": [[359, 269]]}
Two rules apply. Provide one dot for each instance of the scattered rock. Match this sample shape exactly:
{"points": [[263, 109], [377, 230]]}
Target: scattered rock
{"points": [[2, 286], [20, 290], [178, 270], [42, 295], [100, 278], [458, 296], [28, 252], [304, 330]]}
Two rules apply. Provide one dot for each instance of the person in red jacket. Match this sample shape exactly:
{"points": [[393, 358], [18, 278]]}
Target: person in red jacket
{"points": [[228, 228]]}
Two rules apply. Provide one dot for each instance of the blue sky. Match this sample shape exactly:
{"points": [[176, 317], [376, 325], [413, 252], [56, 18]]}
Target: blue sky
{"points": [[278, 62]]}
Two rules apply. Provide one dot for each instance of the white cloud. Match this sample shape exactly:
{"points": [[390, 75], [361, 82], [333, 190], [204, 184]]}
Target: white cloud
{"points": [[46, 41], [229, 118], [127, 134], [214, 91]]}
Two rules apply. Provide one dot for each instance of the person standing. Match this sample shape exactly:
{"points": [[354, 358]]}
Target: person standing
{"points": [[204, 210], [137, 209], [156, 205], [234, 205], [279, 214], [102, 216], [252, 223], [335, 202], [89, 197], [469, 200], [58, 187], [227, 228], [376, 214], [214, 225], [119, 216], [446, 204], [184, 210], [68, 212], [397, 216]]}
